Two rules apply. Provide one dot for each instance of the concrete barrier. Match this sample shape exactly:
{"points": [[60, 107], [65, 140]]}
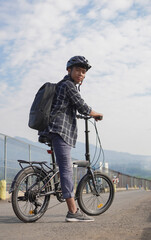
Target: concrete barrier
{"points": [[114, 187]]}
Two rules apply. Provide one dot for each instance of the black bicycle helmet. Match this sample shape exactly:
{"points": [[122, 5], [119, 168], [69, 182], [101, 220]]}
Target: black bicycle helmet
{"points": [[78, 61]]}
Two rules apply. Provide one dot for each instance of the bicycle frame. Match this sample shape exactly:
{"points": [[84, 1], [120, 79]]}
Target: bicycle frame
{"points": [[87, 153], [87, 157], [52, 173]]}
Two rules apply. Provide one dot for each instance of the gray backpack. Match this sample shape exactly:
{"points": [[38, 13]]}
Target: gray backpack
{"points": [[40, 110]]}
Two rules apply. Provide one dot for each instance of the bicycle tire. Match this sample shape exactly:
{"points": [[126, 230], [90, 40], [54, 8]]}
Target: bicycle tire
{"points": [[88, 201], [26, 204]]}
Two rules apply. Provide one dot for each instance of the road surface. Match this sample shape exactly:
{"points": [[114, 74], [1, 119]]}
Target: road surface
{"points": [[128, 218]]}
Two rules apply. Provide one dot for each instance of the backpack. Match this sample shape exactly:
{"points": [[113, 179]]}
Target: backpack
{"points": [[40, 110]]}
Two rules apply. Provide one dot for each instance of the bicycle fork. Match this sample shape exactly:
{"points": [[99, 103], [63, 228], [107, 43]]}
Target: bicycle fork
{"points": [[91, 173]]}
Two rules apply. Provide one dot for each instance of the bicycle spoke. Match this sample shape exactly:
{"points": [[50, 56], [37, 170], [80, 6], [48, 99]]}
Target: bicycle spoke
{"points": [[26, 200], [94, 200]]}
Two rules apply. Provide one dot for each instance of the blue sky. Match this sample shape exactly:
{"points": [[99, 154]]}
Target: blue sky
{"points": [[38, 37]]}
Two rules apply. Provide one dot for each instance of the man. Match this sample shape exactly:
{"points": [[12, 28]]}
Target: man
{"points": [[63, 130]]}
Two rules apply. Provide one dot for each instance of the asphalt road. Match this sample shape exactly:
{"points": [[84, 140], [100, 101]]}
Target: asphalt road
{"points": [[129, 218]]}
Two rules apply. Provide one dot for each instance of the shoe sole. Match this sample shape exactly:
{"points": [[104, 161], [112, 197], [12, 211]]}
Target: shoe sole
{"points": [[78, 220]]}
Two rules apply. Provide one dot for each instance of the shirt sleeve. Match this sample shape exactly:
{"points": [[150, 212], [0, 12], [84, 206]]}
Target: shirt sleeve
{"points": [[76, 99]]}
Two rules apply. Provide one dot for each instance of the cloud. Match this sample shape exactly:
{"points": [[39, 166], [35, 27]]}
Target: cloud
{"points": [[145, 93], [38, 37]]}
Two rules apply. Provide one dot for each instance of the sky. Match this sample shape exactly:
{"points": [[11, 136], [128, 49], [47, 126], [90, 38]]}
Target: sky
{"points": [[38, 37]]}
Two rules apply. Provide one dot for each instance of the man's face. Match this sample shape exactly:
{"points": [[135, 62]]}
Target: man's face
{"points": [[77, 74]]}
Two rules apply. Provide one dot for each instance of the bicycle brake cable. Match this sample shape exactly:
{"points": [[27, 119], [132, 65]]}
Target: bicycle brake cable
{"points": [[100, 149], [96, 145]]}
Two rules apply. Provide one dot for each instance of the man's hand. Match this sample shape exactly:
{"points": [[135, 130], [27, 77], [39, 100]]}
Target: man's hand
{"points": [[96, 116]]}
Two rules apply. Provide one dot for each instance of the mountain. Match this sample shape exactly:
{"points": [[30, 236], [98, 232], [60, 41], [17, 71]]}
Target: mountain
{"points": [[130, 164]]}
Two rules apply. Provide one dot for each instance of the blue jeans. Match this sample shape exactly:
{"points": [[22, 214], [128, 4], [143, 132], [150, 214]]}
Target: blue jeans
{"points": [[63, 158]]}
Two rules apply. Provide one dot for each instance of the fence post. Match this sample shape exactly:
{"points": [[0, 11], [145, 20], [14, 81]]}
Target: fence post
{"points": [[75, 167], [146, 185], [5, 158], [29, 153]]}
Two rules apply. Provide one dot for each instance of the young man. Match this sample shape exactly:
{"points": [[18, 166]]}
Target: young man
{"points": [[63, 130]]}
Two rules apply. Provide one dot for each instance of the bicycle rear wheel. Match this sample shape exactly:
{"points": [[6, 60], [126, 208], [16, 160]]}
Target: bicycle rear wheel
{"points": [[27, 203], [89, 201]]}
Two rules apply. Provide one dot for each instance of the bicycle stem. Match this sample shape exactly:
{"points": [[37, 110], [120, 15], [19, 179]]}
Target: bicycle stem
{"points": [[87, 154]]}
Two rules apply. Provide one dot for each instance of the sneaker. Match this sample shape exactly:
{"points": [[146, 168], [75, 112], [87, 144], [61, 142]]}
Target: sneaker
{"points": [[78, 217]]}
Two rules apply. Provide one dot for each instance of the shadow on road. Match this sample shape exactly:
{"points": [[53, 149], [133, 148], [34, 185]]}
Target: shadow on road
{"points": [[8, 220], [57, 218], [146, 234]]}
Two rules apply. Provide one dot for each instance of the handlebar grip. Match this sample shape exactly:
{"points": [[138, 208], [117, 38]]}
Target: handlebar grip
{"points": [[83, 116], [99, 118]]}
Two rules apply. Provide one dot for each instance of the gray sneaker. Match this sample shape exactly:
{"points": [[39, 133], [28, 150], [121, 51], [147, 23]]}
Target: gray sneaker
{"points": [[78, 217]]}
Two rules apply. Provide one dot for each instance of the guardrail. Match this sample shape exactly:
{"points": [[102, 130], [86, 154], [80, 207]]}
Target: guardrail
{"points": [[12, 149]]}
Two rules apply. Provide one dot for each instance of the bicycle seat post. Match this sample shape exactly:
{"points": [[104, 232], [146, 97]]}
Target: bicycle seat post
{"points": [[87, 154]]}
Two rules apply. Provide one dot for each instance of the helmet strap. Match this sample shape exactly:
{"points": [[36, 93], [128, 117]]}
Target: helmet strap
{"points": [[80, 85]]}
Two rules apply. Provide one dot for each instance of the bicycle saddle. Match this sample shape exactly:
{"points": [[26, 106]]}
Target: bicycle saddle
{"points": [[82, 163], [44, 139]]}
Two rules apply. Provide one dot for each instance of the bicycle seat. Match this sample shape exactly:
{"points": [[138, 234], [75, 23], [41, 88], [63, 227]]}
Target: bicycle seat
{"points": [[44, 139], [82, 163]]}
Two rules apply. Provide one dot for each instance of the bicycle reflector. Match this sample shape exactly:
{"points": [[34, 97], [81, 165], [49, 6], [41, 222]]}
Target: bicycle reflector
{"points": [[49, 151], [100, 205], [31, 212]]}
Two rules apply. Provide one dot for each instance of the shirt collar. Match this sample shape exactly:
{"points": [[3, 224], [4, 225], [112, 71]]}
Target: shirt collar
{"points": [[68, 77]]}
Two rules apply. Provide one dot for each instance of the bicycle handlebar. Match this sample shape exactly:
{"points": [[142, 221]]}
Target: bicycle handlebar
{"points": [[88, 117], [83, 116]]}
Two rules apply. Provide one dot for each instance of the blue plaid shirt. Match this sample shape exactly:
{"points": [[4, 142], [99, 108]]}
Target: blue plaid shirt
{"points": [[67, 101]]}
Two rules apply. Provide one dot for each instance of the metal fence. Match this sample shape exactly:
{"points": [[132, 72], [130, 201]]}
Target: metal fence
{"points": [[12, 149], [124, 181], [120, 180]]}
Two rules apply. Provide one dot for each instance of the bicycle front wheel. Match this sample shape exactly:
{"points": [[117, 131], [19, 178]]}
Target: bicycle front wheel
{"points": [[94, 202], [27, 202]]}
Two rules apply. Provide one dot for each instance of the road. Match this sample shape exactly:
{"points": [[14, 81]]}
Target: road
{"points": [[129, 218]]}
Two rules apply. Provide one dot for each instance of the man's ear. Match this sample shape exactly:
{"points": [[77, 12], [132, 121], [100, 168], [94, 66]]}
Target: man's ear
{"points": [[69, 70]]}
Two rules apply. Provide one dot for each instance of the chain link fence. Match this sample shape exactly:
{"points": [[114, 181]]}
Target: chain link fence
{"points": [[12, 149]]}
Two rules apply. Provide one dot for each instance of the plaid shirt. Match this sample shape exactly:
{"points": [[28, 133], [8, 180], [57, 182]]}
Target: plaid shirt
{"points": [[67, 101]]}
